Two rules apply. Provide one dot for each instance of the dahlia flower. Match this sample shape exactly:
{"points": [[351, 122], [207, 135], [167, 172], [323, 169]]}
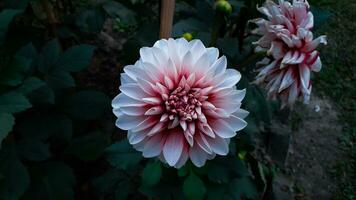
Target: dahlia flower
{"points": [[291, 50], [179, 102]]}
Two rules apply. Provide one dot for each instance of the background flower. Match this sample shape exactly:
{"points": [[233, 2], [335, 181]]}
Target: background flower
{"points": [[178, 101], [291, 49]]}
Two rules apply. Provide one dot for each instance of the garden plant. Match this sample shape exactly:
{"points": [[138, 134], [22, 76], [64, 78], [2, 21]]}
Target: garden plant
{"points": [[140, 99]]}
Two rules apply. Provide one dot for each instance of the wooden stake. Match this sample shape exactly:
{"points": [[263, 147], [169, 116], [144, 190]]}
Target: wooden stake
{"points": [[52, 20], [166, 22]]}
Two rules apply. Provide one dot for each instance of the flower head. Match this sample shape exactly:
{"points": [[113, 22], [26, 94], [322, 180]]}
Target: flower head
{"points": [[179, 102], [288, 40]]}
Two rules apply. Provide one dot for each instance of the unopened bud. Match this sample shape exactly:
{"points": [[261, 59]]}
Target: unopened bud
{"points": [[188, 36], [223, 6]]}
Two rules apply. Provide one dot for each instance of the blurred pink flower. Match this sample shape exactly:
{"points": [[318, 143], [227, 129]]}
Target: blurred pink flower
{"points": [[179, 102], [291, 50]]}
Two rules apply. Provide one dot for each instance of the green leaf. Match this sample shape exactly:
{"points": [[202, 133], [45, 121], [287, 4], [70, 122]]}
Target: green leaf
{"points": [[60, 80], [90, 21], [122, 156], [12, 73], [107, 182], [75, 58], [87, 105], [222, 169], [115, 9], [113, 182], [54, 180], [229, 46], [183, 171], [7, 121], [243, 188], [6, 17], [217, 191], [137, 1], [16, 4], [42, 95], [16, 179], [161, 191], [28, 51], [88, 147], [218, 173], [151, 174], [188, 25], [42, 126], [34, 150], [13, 102], [193, 187], [30, 84], [49, 56]]}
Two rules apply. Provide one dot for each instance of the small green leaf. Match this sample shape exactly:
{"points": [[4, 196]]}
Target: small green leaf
{"points": [[6, 17], [75, 58], [34, 150], [12, 72], [113, 181], [217, 191], [183, 171], [151, 174], [218, 173], [30, 84], [122, 155], [88, 147], [42, 127], [161, 191], [193, 187], [7, 121], [137, 1], [229, 46], [106, 182], [13, 102], [16, 179], [54, 180], [42, 95], [243, 188], [28, 51], [60, 80], [87, 105], [49, 56]]}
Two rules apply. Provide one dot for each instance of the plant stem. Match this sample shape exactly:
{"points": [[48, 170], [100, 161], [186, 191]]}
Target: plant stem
{"points": [[166, 21], [50, 15]]}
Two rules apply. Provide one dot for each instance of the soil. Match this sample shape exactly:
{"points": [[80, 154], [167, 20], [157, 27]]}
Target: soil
{"points": [[313, 151]]}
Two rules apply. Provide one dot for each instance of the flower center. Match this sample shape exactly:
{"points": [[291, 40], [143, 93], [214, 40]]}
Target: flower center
{"points": [[184, 103]]}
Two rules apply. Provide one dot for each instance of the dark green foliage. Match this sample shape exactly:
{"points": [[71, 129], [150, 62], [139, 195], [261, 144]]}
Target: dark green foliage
{"points": [[86, 105], [13, 102], [6, 17], [122, 156], [33, 149], [52, 180], [88, 147], [75, 58], [7, 121], [15, 179], [151, 174], [49, 56], [113, 184], [193, 187], [12, 71]]}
